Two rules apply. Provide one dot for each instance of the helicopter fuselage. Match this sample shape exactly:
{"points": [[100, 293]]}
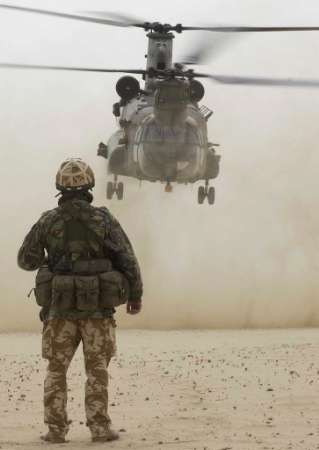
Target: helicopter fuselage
{"points": [[163, 131], [163, 137]]}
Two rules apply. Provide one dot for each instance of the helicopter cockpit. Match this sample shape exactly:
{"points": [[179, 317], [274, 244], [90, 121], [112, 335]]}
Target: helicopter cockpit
{"points": [[176, 152], [153, 133]]}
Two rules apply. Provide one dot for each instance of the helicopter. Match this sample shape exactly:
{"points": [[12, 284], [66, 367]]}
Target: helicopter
{"points": [[162, 134]]}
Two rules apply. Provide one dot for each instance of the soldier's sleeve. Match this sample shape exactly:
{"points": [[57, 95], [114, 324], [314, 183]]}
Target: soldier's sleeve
{"points": [[124, 259], [31, 254]]}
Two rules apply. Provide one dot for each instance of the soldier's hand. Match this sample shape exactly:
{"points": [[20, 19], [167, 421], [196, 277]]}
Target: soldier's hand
{"points": [[133, 307]]}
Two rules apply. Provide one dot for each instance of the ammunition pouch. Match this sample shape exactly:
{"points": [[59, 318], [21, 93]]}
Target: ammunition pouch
{"points": [[63, 298], [86, 292], [43, 288], [114, 289], [87, 288]]}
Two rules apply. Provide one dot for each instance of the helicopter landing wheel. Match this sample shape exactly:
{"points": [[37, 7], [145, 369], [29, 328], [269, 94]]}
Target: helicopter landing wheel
{"points": [[211, 195], [110, 189], [120, 190], [201, 195]]}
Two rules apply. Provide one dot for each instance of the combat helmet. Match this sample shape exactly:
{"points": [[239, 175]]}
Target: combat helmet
{"points": [[74, 175]]}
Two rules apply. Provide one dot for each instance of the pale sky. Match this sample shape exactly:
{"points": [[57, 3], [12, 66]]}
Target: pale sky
{"points": [[249, 260]]}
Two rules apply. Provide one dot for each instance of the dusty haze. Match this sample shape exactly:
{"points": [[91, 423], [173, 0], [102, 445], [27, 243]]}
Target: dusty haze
{"points": [[251, 260]]}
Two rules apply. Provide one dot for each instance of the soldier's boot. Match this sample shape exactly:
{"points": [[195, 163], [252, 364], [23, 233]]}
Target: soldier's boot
{"points": [[110, 435], [53, 438]]}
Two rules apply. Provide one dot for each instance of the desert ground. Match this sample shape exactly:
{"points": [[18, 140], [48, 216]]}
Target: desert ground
{"points": [[213, 390]]}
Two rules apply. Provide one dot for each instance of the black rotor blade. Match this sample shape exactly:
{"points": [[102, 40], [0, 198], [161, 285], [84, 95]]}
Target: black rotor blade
{"points": [[69, 16], [126, 19], [204, 47], [241, 29], [74, 69], [256, 81]]}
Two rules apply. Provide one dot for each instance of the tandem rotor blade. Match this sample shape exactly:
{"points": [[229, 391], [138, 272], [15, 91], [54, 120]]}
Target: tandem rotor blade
{"points": [[122, 20], [242, 29], [69, 16], [256, 81], [75, 69], [202, 48], [125, 19]]}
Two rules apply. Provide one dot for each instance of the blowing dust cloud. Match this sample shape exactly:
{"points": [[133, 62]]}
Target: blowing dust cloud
{"points": [[249, 261]]}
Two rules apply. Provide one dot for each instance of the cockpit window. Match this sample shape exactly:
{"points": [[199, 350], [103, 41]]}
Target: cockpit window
{"points": [[154, 133]]}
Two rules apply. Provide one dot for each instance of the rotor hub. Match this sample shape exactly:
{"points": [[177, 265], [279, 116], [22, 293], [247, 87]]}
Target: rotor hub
{"points": [[161, 28], [176, 72]]}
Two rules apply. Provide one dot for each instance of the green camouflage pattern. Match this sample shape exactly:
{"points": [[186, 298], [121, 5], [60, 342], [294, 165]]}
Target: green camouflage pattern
{"points": [[60, 340], [105, 239]]}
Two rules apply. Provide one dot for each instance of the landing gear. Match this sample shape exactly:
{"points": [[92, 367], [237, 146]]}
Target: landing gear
{"points": [[201, 195], [110, 190], [211, 195], [114, 188], [120, 191], [206, 191]]}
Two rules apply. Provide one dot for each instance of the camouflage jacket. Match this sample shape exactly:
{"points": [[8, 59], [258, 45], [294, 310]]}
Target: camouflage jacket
{"points": [[46, 240]]}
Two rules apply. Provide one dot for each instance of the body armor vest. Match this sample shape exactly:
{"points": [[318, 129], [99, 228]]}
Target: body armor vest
{"points": [[77, 234]]}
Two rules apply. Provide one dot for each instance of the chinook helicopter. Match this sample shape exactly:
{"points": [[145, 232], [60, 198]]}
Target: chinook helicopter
{"points": [[162, 133]]}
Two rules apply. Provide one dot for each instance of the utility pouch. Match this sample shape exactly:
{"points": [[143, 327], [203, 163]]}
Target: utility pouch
{"points": [[43, 287], [114, 289], [87, 292], [63, 298]]}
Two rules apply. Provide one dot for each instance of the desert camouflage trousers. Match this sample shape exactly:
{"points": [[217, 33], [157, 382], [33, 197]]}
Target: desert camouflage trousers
{"points": [[60, 339]]}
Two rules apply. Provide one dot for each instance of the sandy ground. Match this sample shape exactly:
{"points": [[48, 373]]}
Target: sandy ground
{"points": [[214, 390]]}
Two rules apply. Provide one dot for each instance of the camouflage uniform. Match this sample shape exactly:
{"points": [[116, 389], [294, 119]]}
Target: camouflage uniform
{"points": [[63, 331], [49, 234], [61, 338]]}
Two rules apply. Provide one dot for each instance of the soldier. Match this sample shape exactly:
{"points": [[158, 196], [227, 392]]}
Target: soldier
{"points": [[87, 267]]}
